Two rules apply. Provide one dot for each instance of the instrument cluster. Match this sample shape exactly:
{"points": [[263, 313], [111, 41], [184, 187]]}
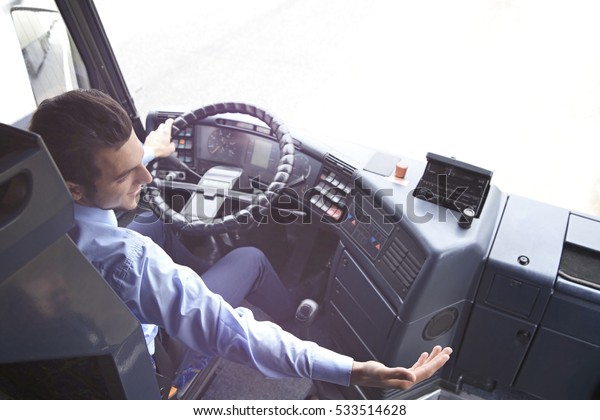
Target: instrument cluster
{"points": [[245, 146]]}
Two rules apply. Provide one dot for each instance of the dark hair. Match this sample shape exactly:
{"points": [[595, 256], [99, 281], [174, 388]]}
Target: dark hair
{"points": [[75, 125]]}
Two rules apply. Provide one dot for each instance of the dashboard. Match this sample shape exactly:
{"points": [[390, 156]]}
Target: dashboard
{"points": [[319, 180]]}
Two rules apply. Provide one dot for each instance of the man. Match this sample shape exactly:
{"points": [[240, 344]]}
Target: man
{"points": [[94, 146]]}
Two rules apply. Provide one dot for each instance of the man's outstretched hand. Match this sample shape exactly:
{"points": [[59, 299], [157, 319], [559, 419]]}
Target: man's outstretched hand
{"points": [[375, 374]]}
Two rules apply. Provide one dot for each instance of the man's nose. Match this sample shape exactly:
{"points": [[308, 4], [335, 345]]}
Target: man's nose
{"points": [[144, 176]]}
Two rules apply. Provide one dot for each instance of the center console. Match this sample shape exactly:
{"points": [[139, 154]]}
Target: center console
{"points": [[405, 274]]}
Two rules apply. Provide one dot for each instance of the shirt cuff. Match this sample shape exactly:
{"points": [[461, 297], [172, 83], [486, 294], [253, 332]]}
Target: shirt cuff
{"points": [[148, 156], [330, 366]]}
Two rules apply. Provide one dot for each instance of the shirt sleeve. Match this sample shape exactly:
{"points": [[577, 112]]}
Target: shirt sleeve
{"points": [[148, 156], [175, 298]]}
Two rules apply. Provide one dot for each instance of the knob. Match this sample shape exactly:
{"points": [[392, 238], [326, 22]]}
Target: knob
{"points": [[466, 218]]}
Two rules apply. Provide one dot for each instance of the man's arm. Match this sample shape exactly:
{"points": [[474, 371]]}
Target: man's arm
{"points": [[375, 374]]}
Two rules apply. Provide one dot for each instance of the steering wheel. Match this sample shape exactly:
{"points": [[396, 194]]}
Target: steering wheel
{"points": [[246, 217]]}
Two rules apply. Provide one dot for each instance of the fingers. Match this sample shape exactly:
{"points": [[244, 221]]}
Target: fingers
{"points": [[427, 366], [437, 354], [425, 357], [165, 127], [376, 374], [421, 360], [159, 140], [168, 125]]}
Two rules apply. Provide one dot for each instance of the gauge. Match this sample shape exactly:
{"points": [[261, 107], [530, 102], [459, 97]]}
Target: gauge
{"points": [[300, 173], [223, 144], [301, 167]]}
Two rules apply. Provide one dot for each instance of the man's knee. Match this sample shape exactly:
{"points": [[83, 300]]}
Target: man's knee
{"points": [[250, 253], [251, 260]]}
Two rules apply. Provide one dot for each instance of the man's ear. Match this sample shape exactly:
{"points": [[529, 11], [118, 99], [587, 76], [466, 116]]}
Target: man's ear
{"points": [[76, 191]]}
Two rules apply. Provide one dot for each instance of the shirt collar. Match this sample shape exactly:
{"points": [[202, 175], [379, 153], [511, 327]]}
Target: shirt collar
{"points": [[95, 214]]}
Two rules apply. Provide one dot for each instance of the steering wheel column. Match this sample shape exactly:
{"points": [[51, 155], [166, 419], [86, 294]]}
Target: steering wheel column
{"points": [[216, 185]]}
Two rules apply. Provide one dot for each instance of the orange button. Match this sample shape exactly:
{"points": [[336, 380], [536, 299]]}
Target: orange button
{"points": [[401, 169]]}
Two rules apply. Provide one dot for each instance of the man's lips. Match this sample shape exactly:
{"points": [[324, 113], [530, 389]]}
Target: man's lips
{"points": [[136, 192]]}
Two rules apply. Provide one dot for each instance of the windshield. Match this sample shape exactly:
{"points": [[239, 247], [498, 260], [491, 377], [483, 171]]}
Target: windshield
{"points": [[510, 86]]}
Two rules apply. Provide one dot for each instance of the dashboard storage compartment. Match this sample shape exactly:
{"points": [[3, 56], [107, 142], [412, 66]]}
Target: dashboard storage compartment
{"points": [[495, 346], [569, 327], [360, 308], [512, 295], [570, 324]]}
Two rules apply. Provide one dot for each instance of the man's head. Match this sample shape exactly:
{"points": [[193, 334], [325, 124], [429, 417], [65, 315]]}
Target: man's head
{"points": [[91, 139]]}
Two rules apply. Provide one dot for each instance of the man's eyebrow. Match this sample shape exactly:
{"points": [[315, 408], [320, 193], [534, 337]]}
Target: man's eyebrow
{"points": [[124, 173]]}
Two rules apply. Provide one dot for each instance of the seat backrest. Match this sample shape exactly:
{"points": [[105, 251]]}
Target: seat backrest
{"points": [[64, 332]]}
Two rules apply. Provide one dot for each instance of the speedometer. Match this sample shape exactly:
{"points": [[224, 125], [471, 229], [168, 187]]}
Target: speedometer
{"points": [[223, 144], [301, 167], [300, 173]]}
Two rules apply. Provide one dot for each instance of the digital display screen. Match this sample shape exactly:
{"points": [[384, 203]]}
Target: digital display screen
{"points": [[261, 152]]}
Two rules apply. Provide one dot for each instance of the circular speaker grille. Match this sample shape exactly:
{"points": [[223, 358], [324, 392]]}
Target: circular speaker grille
{"points": [[440, 323]]}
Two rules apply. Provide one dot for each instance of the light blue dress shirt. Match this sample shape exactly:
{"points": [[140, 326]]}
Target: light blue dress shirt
{"points": [[161, 292]]}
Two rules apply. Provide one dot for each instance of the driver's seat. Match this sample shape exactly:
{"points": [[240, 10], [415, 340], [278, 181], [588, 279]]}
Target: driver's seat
{"points": [[65, 334]]}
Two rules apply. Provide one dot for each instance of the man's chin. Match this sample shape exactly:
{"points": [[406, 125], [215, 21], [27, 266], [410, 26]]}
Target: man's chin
{"points": [[130, 205], [135, 202]]}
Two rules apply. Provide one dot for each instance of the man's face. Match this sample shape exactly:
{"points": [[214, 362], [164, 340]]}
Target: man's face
{"points": [[121, 179]]}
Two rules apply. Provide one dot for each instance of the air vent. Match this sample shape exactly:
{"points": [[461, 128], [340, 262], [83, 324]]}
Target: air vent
{"points": [[164, 115], [403, 266], [340, 165]]}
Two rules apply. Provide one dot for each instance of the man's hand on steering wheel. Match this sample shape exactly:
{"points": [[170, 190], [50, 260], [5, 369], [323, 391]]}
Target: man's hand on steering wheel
{"points": [[159, 140]]}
